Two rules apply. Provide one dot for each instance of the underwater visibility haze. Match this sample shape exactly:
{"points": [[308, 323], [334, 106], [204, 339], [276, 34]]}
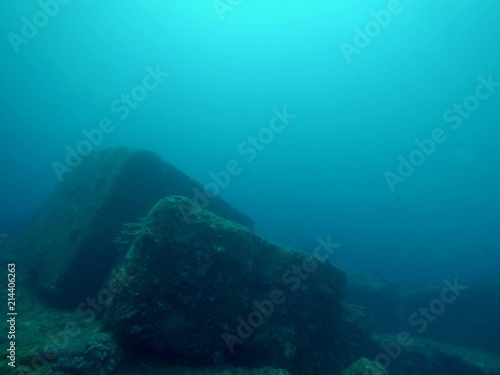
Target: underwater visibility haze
{"points": [[371, 125]]}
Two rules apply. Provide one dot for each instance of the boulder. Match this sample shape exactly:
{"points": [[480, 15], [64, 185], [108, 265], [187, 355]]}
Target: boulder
{"points": [[364, 366], [473, 307], [354, 339], [380, 297], [422, 356], [53, 342], [70, 243], [213, 292]]}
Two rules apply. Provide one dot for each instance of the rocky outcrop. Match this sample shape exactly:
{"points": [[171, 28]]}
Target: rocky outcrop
{"points": [[70, 242], [212, 292], [433, 310], [51, 342], [354, 339], [380, 297], [420, 356], [364, 366]]}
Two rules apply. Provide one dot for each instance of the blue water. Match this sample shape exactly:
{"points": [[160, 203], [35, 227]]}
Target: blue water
{"points": [[354, 104]]}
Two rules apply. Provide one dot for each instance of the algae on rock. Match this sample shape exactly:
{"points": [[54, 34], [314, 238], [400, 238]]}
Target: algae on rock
{"points": [[202, 291]]}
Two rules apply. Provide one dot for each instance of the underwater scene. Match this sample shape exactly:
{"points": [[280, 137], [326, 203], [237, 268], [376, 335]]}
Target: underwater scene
{"points": [[236, 187]]}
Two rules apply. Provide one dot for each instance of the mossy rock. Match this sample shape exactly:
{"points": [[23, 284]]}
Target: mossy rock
{"points": [[70, 243]]}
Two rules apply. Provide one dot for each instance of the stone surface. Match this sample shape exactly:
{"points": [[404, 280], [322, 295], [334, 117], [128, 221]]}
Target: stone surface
{"points": [[424, 357], [212, 292], [465, 314], [70, 244], [472, 306], [184, 370], [354, 339], [380, 297], [364, 366], [51, 342]]}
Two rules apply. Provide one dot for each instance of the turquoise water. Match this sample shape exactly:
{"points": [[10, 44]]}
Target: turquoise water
{"points": [[337, 95]]}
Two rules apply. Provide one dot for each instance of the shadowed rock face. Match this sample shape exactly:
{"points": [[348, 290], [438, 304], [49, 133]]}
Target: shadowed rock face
{"points": [[211, 291], [70, 242], [421, 356], [363, 366], [399, 307]]}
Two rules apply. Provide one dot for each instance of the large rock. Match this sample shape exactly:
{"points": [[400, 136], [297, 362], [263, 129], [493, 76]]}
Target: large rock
{"points": [[355, 335], [436, 310], [364, 366], [70, 242], [380, 297], [433, 310], [419, 356], [54, 342], [213, 292]]}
